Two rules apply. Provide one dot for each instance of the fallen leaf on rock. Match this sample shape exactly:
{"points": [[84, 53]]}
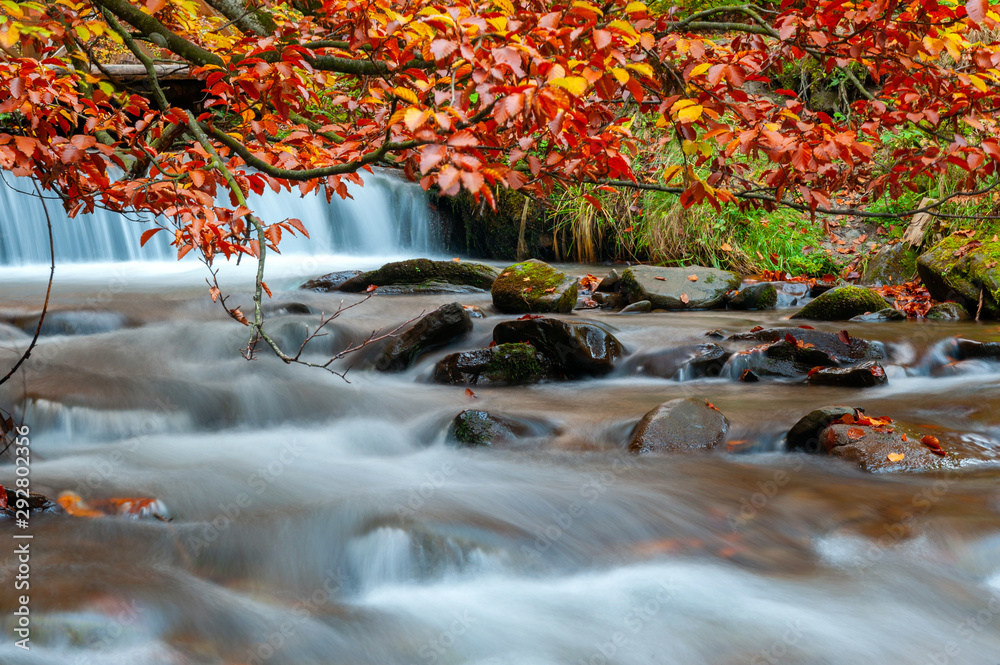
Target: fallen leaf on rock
{"points": [[693, 278], [756, 328], [529, 317], [685, 299], [895, 457], [469, 393], [457, 260], [931, 442], [662, 279], [588, 304], [551, 289], [371, 287], [855, 433], [844, 336]]}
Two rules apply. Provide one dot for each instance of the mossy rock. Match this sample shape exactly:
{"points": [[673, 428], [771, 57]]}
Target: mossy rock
{"points": [[964, 277], [755, 297], [841, 304], [947, 311], [894, 264], [504, 364], [478, 428], [423, 271], [534, 287]]}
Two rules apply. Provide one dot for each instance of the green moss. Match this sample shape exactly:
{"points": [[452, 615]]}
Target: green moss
{"points": [[534, 286], [514, 363], [841, 304], [417, 271], [964, 277]]}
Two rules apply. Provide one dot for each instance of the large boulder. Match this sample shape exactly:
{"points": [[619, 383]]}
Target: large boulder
{"points": [[680, 424], [501, 365], [842, 303], [841, 346], [424, 272], [330, 281], [573, 347], [673, 288], [755, 296], [865, 375], [432, 331], [958, 269], [893, 264], [534, 286]]}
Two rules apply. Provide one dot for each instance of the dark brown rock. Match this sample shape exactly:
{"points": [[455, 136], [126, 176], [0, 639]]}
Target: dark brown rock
{"points": [[865, 375], [575, 348], [677, 425], [445, 324]]}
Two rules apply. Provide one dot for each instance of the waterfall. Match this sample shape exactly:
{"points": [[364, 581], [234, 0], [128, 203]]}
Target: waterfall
{"points": [[388, 216]]}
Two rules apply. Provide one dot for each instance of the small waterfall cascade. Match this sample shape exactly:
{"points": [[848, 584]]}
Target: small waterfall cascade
{"points": [[388, 216]]}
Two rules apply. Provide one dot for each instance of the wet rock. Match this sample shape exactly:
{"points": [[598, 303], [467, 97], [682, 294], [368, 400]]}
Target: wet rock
{"points": [[755, 297], [503, 365], [782, 358], [611, 283], [669, 288], [805, 434], [445, 324], [475, 312], [80, 322], [881, 316], [947, 311], [854, 349], [841, 304], [865, 375], [330, 281], [575, 348], [473, 428], [952, 272], [869, 448], [680, 424], [893, 264], [430, 274], [610, 300], [637, 307], [718, 333], [429, 287], [748, 376], [789, 293], [684, 363], [534, 287], [284, 308], [970, 349], [36, 503]]}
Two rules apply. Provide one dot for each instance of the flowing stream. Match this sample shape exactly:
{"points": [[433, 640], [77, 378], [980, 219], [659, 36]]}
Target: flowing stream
{"points": [[320, 521]]}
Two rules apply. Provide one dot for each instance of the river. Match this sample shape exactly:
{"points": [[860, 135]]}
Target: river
{"points": [[317, 520]]}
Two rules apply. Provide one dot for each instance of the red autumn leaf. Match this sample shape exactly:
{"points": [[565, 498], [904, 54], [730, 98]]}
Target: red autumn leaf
{"points": [[3, 498], [855, 433], [371, 287], [976, 9], [469, 393], [756, 329], [662, 279], [529, 317], [931, 441], [147, 234], [844, 336]]}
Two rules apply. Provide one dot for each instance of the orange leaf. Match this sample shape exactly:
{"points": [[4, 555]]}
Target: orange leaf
{"points": [[662, 279], [371, 287], [146, 235], [469, 393], [214, 292], [726, 247], [693, 278], [855, 433], [263, 285], [895, 457], [684, 298], [931, 442]]}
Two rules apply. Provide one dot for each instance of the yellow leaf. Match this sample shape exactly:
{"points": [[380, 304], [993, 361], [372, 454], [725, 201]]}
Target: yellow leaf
{"points": [[575, 85], [623, 27], [670, 172], [12, 36], [634, 7], [504, 6], [690, 113], [406, 94], [588, 7], [414, 118], [895, 457], [499, 23], [700, 69], [620, 74], [12, 8], [978, 82], [643, 68]]}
